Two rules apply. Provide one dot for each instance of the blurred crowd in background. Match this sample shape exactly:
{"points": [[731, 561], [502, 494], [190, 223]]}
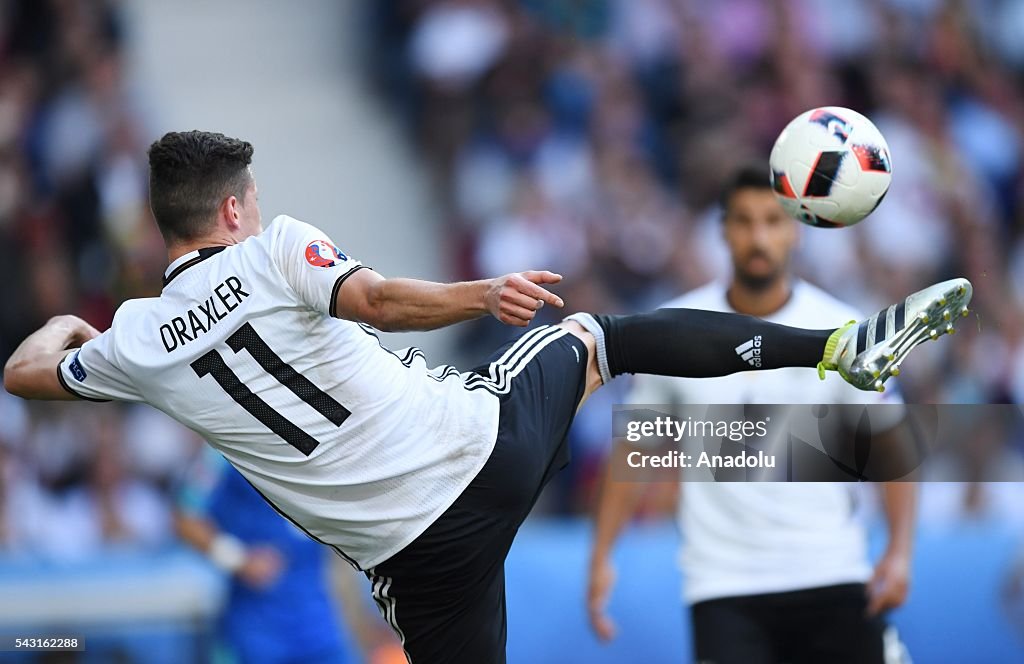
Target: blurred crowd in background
{"points": [[588, 137], [75, 237], [593, 138]]}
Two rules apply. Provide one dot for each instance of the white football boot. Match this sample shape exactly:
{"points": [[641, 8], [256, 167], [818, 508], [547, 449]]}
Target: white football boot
{"points": [[868, 353]]}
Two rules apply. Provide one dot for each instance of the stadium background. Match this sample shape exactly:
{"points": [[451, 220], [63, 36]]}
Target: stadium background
{"points": [[465, 138]]}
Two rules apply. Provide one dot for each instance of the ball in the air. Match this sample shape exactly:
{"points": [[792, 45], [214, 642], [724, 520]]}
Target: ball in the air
{"points": [[830, 167]]}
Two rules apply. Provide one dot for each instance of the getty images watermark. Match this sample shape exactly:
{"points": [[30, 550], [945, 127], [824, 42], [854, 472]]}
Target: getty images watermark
{"points": [[663, 428], [820, 442]]}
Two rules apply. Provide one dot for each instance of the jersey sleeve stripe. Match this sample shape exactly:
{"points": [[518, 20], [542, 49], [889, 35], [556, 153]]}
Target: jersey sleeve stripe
{"points": [[333, 307], [64, 383]]}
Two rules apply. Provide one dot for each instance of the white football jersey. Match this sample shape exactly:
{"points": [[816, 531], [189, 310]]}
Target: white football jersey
{"points": [[760, 537], [361, 447]]}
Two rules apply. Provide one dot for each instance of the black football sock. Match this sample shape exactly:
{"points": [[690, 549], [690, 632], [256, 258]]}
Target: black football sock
{"points": [[693, 343]]}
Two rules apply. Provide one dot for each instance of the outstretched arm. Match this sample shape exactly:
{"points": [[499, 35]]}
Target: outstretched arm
{"points": [[31, 372], [394, 305]]}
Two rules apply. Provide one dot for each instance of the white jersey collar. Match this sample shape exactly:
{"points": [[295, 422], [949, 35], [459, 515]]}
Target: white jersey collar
{"points": [[182, 263]]}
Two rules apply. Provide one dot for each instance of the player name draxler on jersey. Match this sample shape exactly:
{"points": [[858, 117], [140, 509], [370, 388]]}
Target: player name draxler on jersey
{"points": [[204, 315], [360, 446]]}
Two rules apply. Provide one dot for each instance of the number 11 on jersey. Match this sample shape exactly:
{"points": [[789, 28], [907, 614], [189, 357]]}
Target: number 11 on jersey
{"points": [[246, 338]]}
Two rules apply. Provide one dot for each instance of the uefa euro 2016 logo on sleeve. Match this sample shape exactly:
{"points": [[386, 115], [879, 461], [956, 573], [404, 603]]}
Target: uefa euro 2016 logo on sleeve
{"points": [[321, 253]]}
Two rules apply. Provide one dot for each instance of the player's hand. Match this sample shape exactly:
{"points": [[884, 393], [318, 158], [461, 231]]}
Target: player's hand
{"points": [[76, 329], [261, 568], [515, 298], [890, 583], [599, 590]]}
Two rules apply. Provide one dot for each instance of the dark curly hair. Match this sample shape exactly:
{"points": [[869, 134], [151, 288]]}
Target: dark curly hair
{"points": [[190, 175], [749, 176]]}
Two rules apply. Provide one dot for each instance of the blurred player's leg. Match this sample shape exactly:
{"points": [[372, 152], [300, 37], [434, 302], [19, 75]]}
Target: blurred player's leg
{"points": [[831, 624], [732, 630], [827, 624]]}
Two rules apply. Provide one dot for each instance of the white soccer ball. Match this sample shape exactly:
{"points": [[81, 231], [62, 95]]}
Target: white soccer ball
{"points": [[830, 167]]}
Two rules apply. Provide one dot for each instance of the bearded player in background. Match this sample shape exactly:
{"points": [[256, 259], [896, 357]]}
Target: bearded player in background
{"points": [[774, 572]]}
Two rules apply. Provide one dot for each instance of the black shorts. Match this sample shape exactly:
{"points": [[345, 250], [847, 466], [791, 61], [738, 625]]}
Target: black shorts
{"points": [[811, 626], [444, 594]]}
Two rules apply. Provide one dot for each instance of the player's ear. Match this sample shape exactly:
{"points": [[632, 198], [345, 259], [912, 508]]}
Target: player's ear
{"points": [[230, 213]]}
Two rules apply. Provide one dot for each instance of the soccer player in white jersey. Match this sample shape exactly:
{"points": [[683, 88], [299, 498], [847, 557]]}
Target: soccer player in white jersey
{"points": [[773, 572], [263, 342]]}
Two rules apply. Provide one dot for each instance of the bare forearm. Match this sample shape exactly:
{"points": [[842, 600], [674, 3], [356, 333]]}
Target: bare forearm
{"points": [[223, 550], [55, 336], [197, 533], [30, 372], [890, 583], [615, 507], [411, 304], [900, 503]]}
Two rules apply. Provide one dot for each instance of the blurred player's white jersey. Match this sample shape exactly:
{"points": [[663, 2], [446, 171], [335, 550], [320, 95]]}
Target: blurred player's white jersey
{"points": [[760, 537], [362, 447]]}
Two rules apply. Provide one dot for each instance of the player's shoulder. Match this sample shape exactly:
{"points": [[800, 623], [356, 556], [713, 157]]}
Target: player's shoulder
{"points": [[812, 299], [285, 229], [284, 224], [131, 312], [291, 239], [710, 296], [132, 321]]}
